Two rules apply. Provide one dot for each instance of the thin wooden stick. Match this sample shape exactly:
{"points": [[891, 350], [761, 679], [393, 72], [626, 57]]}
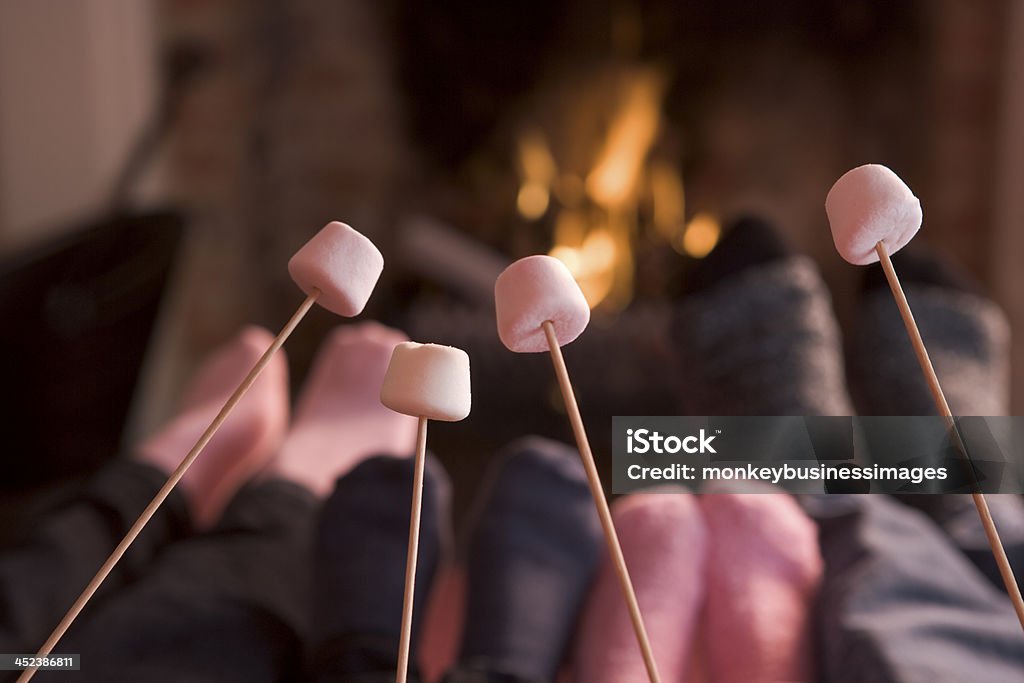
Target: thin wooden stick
{"points": [[413, 553], [1005, 570], [603, 512], [169, 485]]}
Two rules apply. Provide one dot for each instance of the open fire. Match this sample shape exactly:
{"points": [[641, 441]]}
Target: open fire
{"points": [[616, 194]]}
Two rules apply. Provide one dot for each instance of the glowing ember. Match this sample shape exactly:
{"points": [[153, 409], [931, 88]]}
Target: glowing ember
{"points": [[701, 235], [538, 171], [532, 200]]}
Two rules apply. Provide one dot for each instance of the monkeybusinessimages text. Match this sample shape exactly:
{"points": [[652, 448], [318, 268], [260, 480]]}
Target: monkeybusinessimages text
{"points": [[644, 441]]}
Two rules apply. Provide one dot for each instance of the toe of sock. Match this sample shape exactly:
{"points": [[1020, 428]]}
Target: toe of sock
{"points": [[920, 266]]}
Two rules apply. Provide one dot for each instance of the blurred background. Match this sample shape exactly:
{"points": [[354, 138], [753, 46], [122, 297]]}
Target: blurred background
{"points": [[160, 161]]}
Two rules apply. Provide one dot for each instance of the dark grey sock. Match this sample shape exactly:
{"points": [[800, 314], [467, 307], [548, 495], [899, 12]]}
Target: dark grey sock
{"points": [[968, 340], [360, 556], [967, 337], [532, 556], [919, 266], [757, 335]]}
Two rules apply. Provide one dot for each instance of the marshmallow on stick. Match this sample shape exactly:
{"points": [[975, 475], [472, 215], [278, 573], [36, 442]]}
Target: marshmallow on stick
{"points": [[540, 308], [873, 214], [867, 206], [338, 268], [429, 382]]}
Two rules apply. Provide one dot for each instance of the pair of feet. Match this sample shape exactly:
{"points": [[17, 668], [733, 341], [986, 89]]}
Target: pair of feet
{"points": [[507, 612], [726, 584], [338, 419], [757, 335]]}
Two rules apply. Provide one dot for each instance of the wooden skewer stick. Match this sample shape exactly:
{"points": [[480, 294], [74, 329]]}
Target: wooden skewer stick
{"points": [[1005, 570], [603, 512], [413, 553], [169, 485]]}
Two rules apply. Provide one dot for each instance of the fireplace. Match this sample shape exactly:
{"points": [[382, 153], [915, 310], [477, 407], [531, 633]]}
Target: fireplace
{"points": [[617, 136]]}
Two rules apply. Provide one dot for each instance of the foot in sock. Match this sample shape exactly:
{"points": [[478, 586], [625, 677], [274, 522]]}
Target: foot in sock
{"points": [[763, 573], [339, 419], [246, 440], [966, 334], [756, 332], [359, 559], [665, 542], [534, 549], [968, 341]]}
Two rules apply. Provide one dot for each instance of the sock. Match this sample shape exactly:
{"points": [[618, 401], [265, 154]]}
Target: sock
{"points": [[923, 268], [532, 555], [359, 559], [763, 572], [967, 338], [664, 540], [246, 440], [756, 334], [339, 419]]}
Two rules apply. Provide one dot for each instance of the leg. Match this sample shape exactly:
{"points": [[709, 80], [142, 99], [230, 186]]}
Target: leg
{"points": [[39, 581], [968, 341], [228, 605], [900, 603], [532, 555], [40, 578]]}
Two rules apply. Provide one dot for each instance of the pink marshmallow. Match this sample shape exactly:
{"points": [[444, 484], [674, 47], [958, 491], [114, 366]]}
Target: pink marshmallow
{"points": [[530, 292], [428, 380], [868, 205], [341, 263]]}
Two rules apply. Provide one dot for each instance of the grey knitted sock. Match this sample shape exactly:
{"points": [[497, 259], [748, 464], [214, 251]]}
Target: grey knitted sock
{"points": [[762, 339], [968, 339]]}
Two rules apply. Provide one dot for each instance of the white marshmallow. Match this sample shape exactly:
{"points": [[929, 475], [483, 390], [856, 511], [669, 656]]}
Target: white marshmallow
{"points": [[868, 205], [340, 262], [532, 291], [428, 380]]}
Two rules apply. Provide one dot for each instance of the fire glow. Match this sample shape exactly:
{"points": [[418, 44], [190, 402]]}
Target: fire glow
{"points": [[599, 213]]}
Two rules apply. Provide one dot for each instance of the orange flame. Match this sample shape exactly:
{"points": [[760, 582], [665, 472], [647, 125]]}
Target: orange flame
{"points": [[597, 213]]}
